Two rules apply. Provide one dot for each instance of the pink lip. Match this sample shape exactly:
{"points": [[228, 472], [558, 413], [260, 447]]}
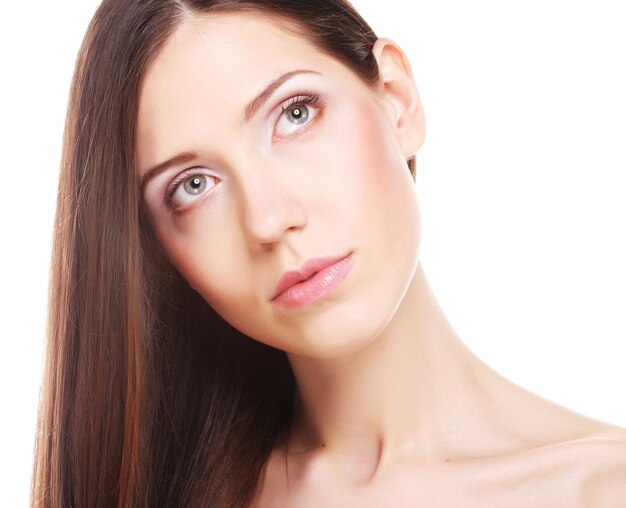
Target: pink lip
{"points": [[315, 279]]}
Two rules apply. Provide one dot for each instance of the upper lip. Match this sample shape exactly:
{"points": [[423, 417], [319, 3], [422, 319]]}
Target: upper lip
{"points": [[308, 268]]}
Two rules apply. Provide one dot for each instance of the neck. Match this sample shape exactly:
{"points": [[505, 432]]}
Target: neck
{"points": [[405, 392]]}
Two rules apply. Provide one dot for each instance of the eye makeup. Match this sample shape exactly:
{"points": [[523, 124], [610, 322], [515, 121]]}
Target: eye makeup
{"points": [[298, 112]]}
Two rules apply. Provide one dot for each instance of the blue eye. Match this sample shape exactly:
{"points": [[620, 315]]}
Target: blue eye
{"points": [[298, 112], [187, 188], [195, 184]]}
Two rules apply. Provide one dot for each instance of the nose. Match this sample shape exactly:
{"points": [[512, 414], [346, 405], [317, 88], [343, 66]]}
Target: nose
{"points": [[271, 209]]}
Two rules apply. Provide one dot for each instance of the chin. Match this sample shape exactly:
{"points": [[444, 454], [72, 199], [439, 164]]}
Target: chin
{"points": [[342, 331]]}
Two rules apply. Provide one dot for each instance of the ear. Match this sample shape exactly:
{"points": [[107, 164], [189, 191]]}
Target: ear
{"points": [[400, 93]]}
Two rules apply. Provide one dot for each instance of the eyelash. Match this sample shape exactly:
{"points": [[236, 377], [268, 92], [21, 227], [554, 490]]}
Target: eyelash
{"points": [[301, 100], [175, 184], [298, 100]]}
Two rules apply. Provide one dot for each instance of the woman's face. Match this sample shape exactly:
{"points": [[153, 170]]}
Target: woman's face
{"points": [[314, 169]]}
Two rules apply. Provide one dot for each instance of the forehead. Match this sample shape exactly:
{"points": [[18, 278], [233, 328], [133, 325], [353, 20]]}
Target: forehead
{"points": [[216, 64]]}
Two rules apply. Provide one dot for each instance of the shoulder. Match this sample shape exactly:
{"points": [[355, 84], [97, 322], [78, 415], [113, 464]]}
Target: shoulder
{"points": [[603, 468], [582, 466], [584, 456], [591, 467]]}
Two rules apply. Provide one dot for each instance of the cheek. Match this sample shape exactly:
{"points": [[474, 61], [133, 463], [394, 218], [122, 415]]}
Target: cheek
{"points": [[386, 218], [211, 258], [377, 176], [221, 274]]}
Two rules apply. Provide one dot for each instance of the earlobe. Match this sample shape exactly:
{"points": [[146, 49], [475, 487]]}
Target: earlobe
{"points": [[398, 89]]}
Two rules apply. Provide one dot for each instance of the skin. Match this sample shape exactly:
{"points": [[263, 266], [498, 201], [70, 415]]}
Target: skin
{"points": [[393, 409]]}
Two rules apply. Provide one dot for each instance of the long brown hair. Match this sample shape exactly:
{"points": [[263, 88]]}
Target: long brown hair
{"points": [[149, 398]]}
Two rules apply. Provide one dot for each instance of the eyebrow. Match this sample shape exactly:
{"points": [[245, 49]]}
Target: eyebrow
{"points": [[181, 158], [253, 106], [256, 103]]}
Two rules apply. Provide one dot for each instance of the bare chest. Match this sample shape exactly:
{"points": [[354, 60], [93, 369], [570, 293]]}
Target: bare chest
{"points": [[479, 484]]}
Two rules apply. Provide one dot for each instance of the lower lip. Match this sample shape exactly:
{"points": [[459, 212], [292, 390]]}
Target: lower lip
{"points": [[318, 286]]}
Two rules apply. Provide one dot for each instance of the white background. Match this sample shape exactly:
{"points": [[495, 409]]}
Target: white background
{"points": [[522, 189]]}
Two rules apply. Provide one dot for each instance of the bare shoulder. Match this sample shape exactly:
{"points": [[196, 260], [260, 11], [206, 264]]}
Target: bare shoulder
{"points": [[603, 455], [565, 451], [583, 471], [592, 467]]}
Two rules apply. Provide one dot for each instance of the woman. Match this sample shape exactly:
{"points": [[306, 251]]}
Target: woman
{"points": [[239, 316]]}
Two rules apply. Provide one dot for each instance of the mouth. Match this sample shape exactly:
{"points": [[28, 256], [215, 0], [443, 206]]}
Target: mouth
{"points": [[315, 279]]}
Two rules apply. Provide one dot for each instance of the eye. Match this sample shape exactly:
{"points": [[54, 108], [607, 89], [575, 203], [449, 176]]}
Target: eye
{"points": [[298, 112], [187, 188]]}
